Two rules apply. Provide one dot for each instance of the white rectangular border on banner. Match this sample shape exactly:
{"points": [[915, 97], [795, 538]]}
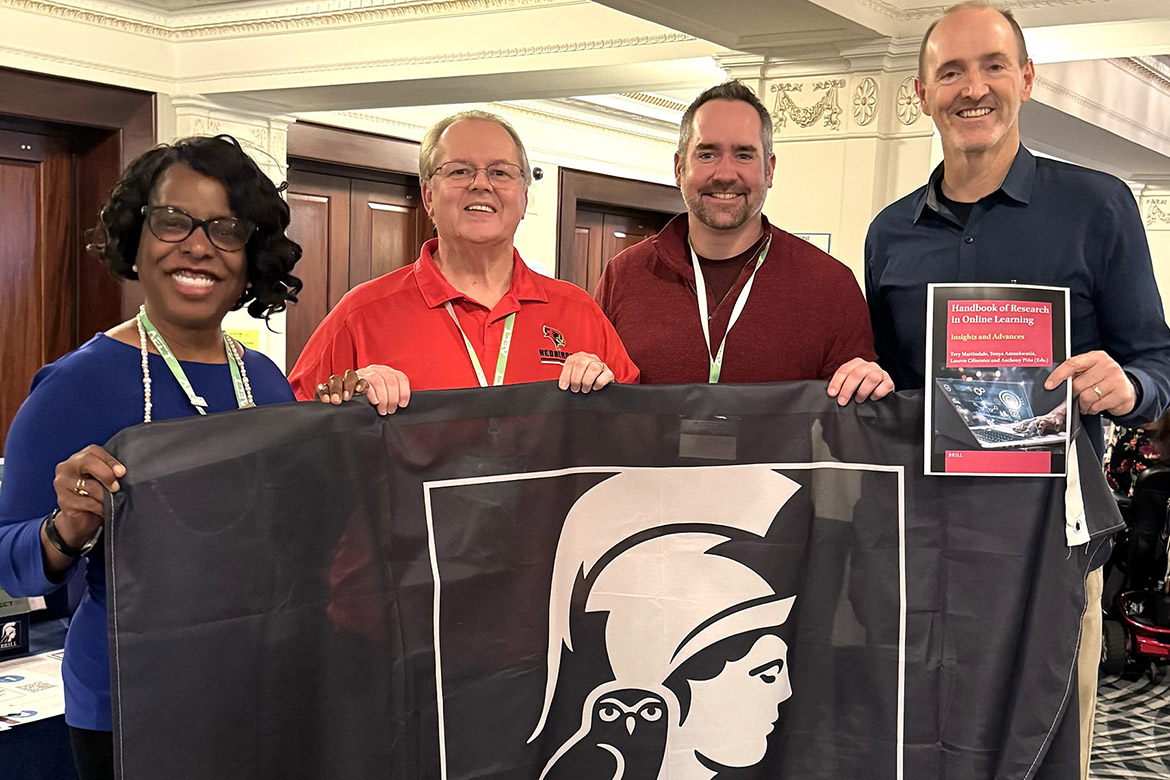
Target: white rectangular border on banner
{"points": [[428, 487]]}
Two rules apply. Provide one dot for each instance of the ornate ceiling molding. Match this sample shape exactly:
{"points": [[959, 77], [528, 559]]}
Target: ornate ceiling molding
{"points": [[888, 10], [88, 65], [566, 111], [463, 56], [1093, 107], [563, 111], [401, 129], [935, 10], [266, 20], [656, 101], [91, 16], [1148, 70]]}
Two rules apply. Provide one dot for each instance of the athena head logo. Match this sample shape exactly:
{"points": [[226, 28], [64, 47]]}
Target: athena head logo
{"points": [[698, 668]]}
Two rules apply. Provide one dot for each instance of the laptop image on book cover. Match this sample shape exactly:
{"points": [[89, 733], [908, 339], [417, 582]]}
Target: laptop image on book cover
{"points": [[985, 413]]}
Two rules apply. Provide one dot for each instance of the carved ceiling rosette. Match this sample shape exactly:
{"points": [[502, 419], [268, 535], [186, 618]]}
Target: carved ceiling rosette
{"points": [[909, 106], [865, 101]]}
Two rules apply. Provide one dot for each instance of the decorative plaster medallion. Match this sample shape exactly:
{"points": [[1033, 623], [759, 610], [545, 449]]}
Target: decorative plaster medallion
{"points": [[909, 107], [827, 107], [1158, 213], [201, 125], [865, 101]]}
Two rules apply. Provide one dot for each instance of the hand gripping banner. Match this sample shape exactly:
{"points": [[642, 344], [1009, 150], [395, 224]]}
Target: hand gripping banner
{"points": [[643, 583]]}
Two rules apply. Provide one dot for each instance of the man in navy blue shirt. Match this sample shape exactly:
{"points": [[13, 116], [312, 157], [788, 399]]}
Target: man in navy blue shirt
{"points": [[993, 213]]}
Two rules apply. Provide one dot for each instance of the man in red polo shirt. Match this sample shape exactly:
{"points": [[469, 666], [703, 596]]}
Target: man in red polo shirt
{"points": [[468, 311]]}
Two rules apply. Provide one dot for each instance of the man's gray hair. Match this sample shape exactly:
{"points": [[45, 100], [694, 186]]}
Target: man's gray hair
{"points": [[430, 142], [728, 90], [981, 4]]}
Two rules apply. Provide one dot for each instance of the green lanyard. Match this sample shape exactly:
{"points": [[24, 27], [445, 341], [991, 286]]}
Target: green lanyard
{"points": [[505, 346], [180, 375], [715, 361]]}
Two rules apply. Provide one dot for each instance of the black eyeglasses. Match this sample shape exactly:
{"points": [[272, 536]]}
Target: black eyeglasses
{"points": [[169, 224]]}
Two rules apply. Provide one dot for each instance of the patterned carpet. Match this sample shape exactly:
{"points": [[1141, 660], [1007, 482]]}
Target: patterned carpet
{"points": [[1131, 738]]}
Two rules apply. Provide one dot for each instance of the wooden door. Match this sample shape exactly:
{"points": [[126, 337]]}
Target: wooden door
{"points": [[587, 241], [581, 245], [351, 230], [386, 230], [601, 233], [319, 222], [37, 275]]}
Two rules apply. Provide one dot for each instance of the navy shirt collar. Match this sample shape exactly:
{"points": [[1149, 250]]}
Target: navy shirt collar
{"points": [[1017, 185]]}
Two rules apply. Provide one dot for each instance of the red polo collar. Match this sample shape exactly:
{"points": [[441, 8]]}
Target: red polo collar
{"points": [[436, 290]]}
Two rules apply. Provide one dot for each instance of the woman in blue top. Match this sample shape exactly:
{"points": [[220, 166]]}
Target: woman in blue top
{"points": [[202, 228]]}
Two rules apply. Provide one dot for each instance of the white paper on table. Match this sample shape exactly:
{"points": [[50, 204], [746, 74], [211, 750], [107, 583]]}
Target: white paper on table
{"points": [[31, 689]]}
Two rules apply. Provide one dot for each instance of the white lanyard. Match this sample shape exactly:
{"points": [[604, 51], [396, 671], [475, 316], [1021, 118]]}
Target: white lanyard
{"points": [[716, 359], [505, 346]]}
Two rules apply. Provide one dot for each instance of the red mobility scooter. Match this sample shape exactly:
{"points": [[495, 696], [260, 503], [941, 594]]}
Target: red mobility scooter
{"points": [[1137, 618]]}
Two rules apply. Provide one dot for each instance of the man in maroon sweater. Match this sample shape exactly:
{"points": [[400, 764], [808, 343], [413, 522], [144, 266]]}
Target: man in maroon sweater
{"points": [[722, 295]]}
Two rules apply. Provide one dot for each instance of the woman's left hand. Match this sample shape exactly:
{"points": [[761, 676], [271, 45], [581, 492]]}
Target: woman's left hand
{"points": [[338, 389], [583, 372], [80, 483]]}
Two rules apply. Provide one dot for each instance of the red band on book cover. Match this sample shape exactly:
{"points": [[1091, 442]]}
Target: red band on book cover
{"points": [[1000, 462]]}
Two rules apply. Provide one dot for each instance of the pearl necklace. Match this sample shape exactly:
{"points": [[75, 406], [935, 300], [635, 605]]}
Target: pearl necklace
{"points": [[230, 348]]}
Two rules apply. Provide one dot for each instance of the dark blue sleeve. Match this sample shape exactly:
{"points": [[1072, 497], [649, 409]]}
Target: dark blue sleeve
{"points": [[881, 319], [49, 427], [1130, 318], [84, 398]]}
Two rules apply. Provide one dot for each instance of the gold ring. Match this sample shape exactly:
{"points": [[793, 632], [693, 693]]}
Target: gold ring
{"points": [[79, 488], [1097, 390]]}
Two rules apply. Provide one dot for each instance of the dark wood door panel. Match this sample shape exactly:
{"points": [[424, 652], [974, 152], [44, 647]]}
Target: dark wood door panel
{"points": [[384, 229], [652, 204], [587, 241], [57, 237], [351, 229], [20, 298], [621, 231], [77, 136], [37, 299], [319, 207], [601, 233]]}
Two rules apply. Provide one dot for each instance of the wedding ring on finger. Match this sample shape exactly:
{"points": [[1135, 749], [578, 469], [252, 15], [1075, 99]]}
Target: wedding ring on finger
{"points": [[79, 488], [1097, 390]]}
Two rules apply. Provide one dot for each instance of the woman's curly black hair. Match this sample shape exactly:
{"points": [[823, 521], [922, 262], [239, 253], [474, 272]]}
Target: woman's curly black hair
{"points": [[270, 254]]}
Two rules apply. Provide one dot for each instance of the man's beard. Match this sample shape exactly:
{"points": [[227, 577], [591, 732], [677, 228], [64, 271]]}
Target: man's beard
{"points": [[720, 218]]}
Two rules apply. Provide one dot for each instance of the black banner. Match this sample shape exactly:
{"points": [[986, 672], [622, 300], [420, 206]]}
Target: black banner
{"points": [[685, 582]]}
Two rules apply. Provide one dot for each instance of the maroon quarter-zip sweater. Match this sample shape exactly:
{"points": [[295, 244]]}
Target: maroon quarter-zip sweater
{"points": [[805, 315]]}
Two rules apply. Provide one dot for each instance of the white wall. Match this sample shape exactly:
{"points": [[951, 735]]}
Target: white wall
{"points": [[836, 187], [1160, 251]]}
